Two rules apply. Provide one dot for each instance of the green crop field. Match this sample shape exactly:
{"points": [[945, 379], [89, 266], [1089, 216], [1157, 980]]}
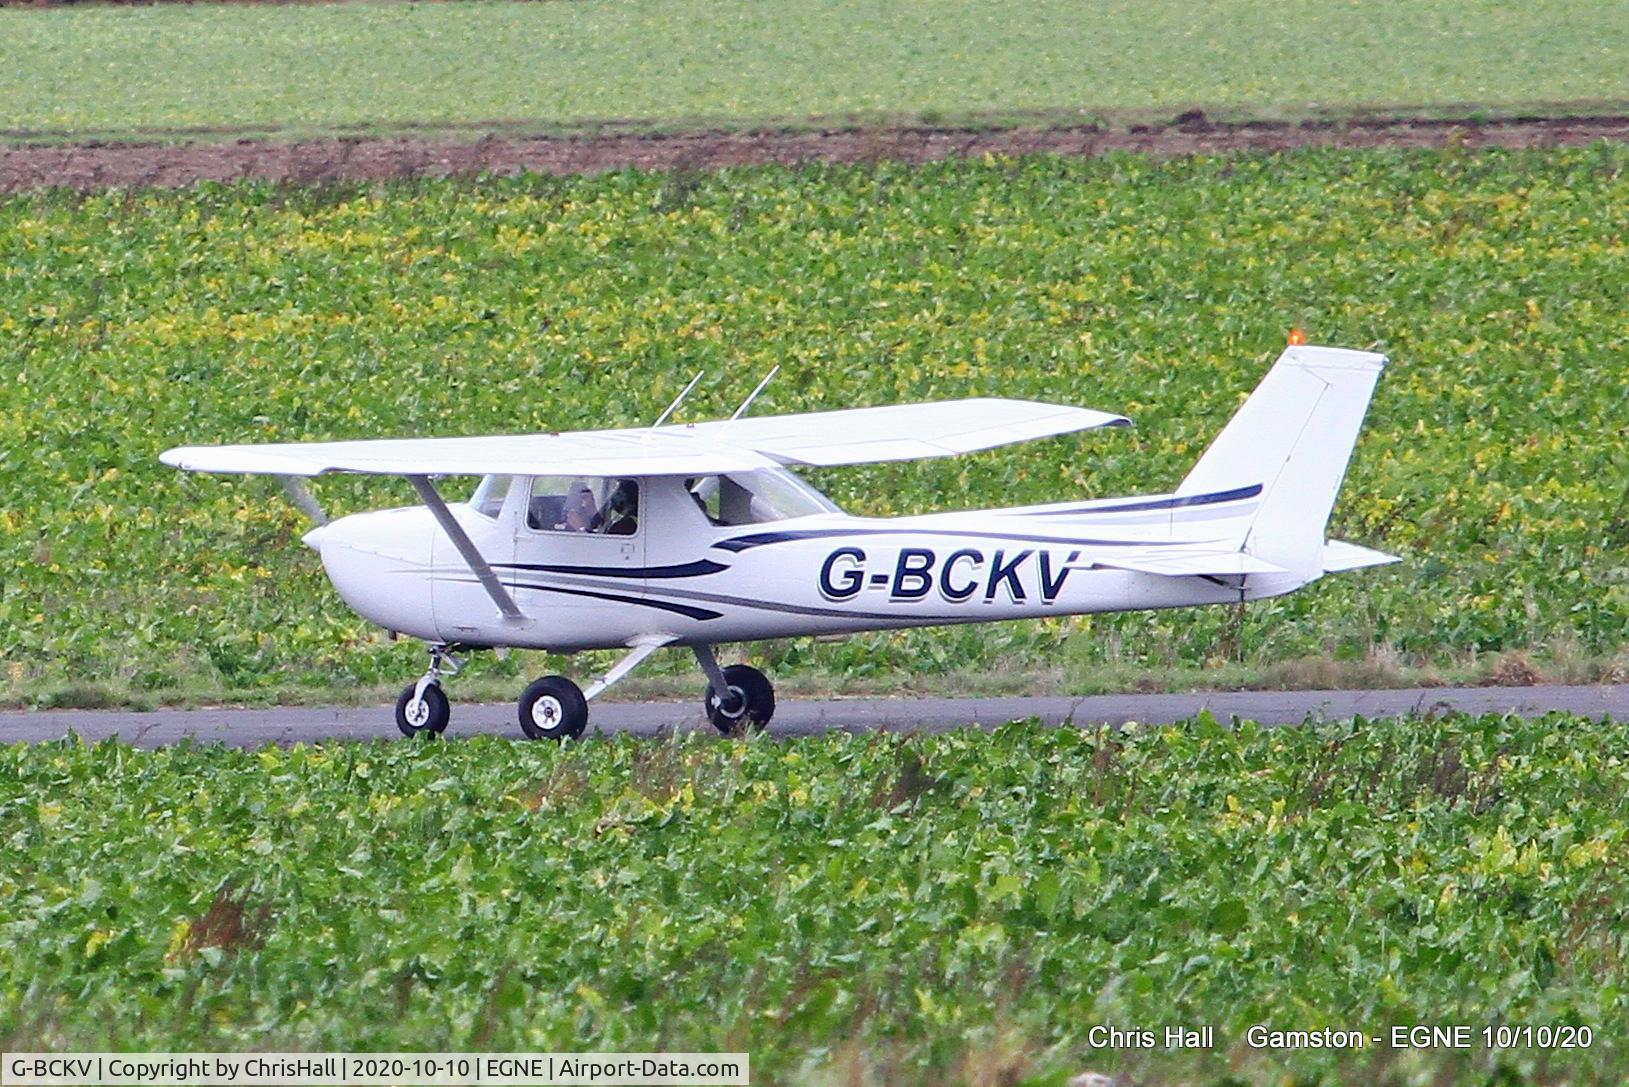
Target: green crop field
{"points": [[955, 908], [666, 63], [1494, 460]]}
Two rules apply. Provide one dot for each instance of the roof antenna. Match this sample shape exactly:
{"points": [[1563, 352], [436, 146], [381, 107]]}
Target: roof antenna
{"points": [[677, 400], [753, 395]]}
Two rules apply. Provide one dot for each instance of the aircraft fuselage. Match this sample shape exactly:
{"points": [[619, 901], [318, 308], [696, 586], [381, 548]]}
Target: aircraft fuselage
{"points": [[684, 577]]}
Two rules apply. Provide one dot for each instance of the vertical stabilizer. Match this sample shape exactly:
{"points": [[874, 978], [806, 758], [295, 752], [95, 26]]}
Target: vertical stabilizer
{"points": [[1294, 437]]}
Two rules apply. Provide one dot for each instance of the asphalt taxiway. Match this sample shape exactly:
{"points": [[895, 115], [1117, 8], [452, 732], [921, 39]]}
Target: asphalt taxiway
{"points": [[248, 727]]}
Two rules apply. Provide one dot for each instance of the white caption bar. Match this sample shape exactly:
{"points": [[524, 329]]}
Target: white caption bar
{"points": [[365, 1069]]}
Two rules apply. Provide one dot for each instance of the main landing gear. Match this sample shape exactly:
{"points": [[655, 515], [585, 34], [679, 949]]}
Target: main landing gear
{"points": [[739, 698], [553, 708]]}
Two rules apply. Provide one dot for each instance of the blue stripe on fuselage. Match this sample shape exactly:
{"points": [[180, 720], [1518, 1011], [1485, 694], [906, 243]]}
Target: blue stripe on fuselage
{"points": [[1154, 504], [762, 539]]}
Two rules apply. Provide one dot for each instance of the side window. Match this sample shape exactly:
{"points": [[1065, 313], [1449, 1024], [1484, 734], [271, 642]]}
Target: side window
{"points": [[705, 493], [489, 495], [592, 506], [725, 501]]}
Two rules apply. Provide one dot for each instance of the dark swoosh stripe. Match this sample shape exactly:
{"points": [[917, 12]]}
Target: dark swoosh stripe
{"points": [[802, 609], [789, 609], [661, 605], [1157, 503], [699, 568], [762, 539]]}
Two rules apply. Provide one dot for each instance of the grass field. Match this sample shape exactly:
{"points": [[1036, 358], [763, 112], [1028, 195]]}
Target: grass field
{"points": [[961, 907], [667, 63], [1494, 459]]}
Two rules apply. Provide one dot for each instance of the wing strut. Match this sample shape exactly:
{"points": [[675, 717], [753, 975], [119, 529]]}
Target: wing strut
{"points": [[300, 495], [466, 547]]}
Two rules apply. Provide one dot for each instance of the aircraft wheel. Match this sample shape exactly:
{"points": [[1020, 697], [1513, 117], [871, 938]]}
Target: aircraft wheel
{"points": [[416, 716], [553, 708], [752, 706]]}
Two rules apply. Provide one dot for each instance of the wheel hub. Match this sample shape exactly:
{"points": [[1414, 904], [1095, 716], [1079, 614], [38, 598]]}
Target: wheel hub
{"points": [[546, 712], [733, 704], [418, 712]]}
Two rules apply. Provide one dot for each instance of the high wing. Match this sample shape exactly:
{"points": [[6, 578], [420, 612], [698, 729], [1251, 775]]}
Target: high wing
{"points": [[901, 431], [850, 436], [584, 453]]}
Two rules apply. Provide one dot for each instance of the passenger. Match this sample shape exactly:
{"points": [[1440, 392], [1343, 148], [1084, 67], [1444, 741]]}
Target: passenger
{"points": [[579, 514]]}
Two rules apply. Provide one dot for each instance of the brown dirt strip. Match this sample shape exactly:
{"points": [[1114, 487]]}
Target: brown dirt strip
{"points": [[119, 165]]}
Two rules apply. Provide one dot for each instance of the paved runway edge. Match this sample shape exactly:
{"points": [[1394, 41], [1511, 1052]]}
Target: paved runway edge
{"points": [[285, 725]]}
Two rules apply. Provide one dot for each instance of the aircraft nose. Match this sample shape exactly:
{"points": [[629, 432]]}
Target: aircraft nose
{"points": [[314, 538]]}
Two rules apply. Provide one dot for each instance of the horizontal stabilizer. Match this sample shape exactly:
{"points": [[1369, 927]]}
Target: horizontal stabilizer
{"points": [[1339, 555], [1192, 564]]}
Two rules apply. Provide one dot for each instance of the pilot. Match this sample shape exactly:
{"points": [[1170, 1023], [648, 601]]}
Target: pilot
{"points": [[578, 514], [623, 507]]}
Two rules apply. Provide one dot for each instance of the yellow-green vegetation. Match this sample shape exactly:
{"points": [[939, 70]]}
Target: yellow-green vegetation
{"points": [[325, 67], [958, 908], [1494, 460]]}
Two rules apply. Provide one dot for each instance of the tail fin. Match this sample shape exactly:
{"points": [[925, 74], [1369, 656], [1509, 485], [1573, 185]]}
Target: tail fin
{"points": [[1293, 436]]}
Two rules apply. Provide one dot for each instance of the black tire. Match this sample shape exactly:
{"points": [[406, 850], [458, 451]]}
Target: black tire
{"points": [[553, 708], [758, 701], [428, 717]]}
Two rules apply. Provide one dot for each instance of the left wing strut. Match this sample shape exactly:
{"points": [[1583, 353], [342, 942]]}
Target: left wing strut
{"points": [[300, 495], [466, 547]]}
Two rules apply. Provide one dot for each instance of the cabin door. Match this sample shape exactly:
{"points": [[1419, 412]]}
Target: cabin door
{"points": [[579, 551]]}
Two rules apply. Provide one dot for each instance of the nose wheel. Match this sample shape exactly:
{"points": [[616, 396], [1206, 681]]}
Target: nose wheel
{"points": [[419, 712], [423, 708]]}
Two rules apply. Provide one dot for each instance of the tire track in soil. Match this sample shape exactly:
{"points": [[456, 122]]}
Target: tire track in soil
{"points": [[95, 166]]}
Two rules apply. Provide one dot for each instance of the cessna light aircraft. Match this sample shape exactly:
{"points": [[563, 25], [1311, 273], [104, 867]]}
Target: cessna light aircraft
{"points": [[701, 533]]}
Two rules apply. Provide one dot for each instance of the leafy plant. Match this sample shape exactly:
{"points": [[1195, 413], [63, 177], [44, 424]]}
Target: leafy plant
{"points": [[1493, 458], [222, 71], [944, 901]]}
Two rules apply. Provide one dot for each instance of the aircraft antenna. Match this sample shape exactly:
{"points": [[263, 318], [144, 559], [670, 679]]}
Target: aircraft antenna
{"points": [[677, 400], [753, 395]]}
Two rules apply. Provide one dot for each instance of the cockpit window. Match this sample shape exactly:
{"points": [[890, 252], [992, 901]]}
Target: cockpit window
{"points": [[489, 495], [596, 506], [751, 498]]}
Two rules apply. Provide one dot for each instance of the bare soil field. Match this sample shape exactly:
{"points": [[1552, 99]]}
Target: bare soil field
{"points": [[91, 166]]}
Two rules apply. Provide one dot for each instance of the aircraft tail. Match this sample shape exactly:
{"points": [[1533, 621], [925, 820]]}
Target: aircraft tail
{"points": [[1293, 437]]}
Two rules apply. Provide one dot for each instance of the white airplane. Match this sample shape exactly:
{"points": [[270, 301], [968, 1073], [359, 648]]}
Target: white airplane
{"points": [[701, 533]]}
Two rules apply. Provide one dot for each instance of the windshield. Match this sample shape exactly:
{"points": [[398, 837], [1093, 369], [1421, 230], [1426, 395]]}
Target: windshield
{"points": [[749, 498], [489, 495]]}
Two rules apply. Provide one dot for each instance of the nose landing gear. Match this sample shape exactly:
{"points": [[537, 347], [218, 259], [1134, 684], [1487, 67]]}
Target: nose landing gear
{"points": [[423, 707]]}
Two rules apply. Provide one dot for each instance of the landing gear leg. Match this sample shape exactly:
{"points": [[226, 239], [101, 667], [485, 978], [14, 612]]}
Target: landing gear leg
{"points": [[423, 707], [739, 698]]}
